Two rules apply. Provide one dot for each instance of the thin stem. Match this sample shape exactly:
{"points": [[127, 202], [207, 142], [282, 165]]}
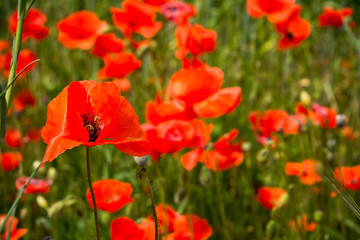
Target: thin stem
{"points": [[92, 191], [9, 228], [152, 204]]}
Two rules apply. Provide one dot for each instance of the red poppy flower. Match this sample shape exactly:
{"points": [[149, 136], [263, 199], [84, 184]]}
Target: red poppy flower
{"points": [[194, 39], [268, 123], [169, 136], [124, 228], [302, 224], [190, 227], [90, 113], [156, 3], [122, 83], [320, 115], [118, 65], [35, 185], [178, 11], [15, 234], [306, 171], [80, 30], [107, 43], [334, 18], [4, 44], [198, 85], [10, 160], [25, 57], [13, 138], [349, 177], [33, 26], [348, 132], [270, 197], [33, 135], [294, 29], [22, 99], [149, 229], [275, 10], [111, 195], [135, 17]]}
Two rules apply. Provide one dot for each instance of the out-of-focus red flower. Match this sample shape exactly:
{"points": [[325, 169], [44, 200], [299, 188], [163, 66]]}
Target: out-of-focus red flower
{"points": [[270, 197], [190, 227], [33, 135], [306, 171], [198, 85], [275, 10], [4, 44], [136, 17], [348, 133], [326, 117], [15, 234], [10, 160], [349, 177], [302, 224], [124, 228], [294, 29], [149, 229], [35, 185], [80, 30], [118, 65], [111, 195], [156, 3], [178, 11], [90, 113], [33, 26], [169, 136], [334, 18], [194, 39], [13, 138], [123, 84], [107, 43], [25, 57], [22, 99]]}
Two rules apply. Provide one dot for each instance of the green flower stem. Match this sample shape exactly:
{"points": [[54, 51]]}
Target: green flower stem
{"points": [[16, 48], [92, 191], [152, 203], [13, 207]]}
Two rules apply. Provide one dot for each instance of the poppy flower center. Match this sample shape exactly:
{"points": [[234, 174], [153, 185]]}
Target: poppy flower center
{"points": [[92, 125], [289, 35]]}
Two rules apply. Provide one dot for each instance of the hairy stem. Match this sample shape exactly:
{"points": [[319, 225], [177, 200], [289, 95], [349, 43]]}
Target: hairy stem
{"points": [[92, 191], [152, 204]]}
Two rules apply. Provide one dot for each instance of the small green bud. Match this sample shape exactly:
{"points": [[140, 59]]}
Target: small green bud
{"points": [[142, 161], [41, 201], [318, 216], [271, 229]]}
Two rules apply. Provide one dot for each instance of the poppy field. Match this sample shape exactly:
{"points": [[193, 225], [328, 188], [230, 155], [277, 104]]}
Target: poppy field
{"points": [[179, 120]]}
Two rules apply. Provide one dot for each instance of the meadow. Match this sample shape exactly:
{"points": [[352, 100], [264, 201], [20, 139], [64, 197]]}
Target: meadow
{"points": [[247, 110]]}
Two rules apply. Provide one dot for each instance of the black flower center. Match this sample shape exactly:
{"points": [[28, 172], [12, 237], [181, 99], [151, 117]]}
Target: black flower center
{"points": [[289, 35], [92, 125]]}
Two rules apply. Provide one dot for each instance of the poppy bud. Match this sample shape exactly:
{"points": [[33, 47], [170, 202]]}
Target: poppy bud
{"points": [[56, 208], [331, 144], [318, 216], [23, 213], [205, 177], [179, 195], [142, 161], [341, 120], [305, 98], [52, 173], [304, 82], [271, 229], [263, 156], [246, 146], [41, 201]]}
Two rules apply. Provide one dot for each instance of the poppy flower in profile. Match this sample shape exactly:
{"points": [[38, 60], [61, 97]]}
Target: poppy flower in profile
{"points": [[306, 171], [13, 138], [302, 224], [80, 30], [190, 227], [111, 195], [118, 65], [198, 85], [135, 17], [275, 10], [90, 113], [10, 160], [270, 197], [107, 43], [194, 39], [124, 228], [178, 11], [25, 57], [326, 117], [15, 233], [349, 177], [294, 29], [33, 26], [35, 185], [23, 99], [168, 137], [334, 18]]}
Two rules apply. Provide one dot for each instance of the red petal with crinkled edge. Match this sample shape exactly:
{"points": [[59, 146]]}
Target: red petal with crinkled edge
{"points": [[123, 228], [253, 9], [57, 146], [221, 102], [190, 159]]}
